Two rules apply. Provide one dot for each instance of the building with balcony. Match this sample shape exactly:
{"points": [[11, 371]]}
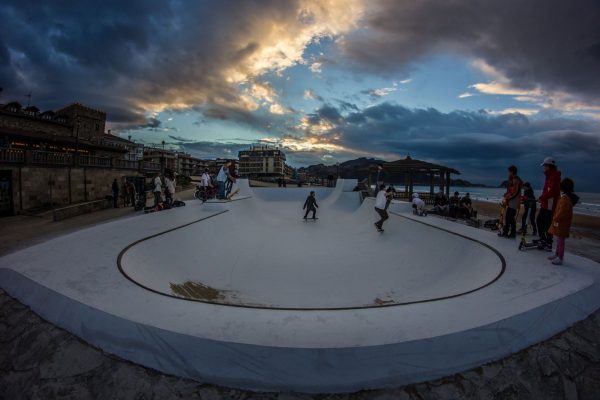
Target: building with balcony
{"points": [[262, 161]]}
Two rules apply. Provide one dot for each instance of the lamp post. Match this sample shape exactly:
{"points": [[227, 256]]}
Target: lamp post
{"points": [[163, 159], [77, 144]]}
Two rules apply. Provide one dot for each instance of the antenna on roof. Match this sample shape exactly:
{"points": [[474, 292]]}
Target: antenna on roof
{"points": [[28, 98]]}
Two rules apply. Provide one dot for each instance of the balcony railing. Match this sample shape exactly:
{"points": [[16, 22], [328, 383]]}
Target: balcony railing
{"points": [[12, 156], [93, 161], [148, 166], [125, 164], [51, 158]]}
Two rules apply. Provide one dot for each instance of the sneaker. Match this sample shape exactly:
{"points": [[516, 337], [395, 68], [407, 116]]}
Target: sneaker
{"points": [[557, 261], [552, 257], [501, 234]]}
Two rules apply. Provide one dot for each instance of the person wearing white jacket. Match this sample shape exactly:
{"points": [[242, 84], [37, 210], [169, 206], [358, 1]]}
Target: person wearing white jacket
{"points": [[157, 189], [381, 203], [169, 189], [418, 205]]}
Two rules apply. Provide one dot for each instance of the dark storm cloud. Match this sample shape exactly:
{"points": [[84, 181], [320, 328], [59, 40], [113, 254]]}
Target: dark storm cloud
{"points": [[122, 55], [477, 143], [554, 43]]}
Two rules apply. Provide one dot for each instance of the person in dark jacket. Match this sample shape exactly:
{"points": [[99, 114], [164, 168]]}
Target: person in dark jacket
{"points": [[512, 200], [548, 200], [529, 209], [310, 205], [115, 191]]}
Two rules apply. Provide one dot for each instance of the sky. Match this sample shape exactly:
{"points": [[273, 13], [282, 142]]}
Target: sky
{"points": [[477, 86]]}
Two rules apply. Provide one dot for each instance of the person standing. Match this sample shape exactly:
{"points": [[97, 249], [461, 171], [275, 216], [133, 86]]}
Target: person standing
{"points": [[132, 193], [381, 204], [529, 209], [562, 218], [548, 200], [157, 189], [380, 180], [310, 205], [221, 179], [231, 178], [115, 192], [512, 200], [205, 184], [169, 189]]}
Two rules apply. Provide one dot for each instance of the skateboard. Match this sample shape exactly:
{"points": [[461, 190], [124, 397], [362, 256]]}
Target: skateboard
{"points": [[310, 219], [230, 195]]}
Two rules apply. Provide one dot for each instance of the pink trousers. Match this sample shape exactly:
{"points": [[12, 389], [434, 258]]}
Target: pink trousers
{"points": [[560, 247]]}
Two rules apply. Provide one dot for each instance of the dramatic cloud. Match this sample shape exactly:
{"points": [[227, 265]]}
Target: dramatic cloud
{"points": [[552, 45], [144, 57], [480, 144]]}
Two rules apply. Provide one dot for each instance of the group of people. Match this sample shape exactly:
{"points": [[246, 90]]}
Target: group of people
{"points": [[219, 185], [455, 206], [127, 193], [556, 208], [165, 186]]}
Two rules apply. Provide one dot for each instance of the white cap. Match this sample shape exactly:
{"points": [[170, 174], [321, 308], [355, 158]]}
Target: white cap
{"points": [[415, 195], [548, 161]]}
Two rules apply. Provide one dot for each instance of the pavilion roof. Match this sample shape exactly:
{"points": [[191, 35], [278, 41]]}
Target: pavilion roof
{"points": [[410, 164]]}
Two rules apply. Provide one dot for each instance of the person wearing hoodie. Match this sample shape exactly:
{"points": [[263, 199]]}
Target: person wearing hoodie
{"points": [[548, 200], [529, 209], [562, 218], [310, 205]]}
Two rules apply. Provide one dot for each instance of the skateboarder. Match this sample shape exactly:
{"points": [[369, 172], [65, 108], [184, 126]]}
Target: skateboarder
{"points": [[310, 205], [381, 204]]}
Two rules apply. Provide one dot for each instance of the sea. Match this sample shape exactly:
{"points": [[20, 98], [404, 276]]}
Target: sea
{"points": [[589, 203]]}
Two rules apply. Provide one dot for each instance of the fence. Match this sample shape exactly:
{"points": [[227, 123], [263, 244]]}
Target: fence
{"points": [[12, 156], [48, 158]]}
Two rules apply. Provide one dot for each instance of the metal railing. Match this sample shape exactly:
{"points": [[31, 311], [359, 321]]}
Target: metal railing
{"points": [[150, 166], [125, 164], [52, 158], [94, 161], [12, 156]]}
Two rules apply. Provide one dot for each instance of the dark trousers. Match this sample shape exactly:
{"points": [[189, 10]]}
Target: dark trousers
{"points": [[383, 214], [544, 219], [510, 222], [228, 187], [156, 198], [115, 199], [529, 212], [309, 209]]}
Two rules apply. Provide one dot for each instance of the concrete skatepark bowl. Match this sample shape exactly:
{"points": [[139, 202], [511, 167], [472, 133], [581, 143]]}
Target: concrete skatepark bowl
{"points": [[246, 294]]}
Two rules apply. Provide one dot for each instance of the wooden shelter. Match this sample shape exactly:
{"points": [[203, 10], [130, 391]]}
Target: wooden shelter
{"points": [[409, 168]]}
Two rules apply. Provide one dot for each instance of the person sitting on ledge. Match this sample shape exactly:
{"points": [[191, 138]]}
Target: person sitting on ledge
{"points": [[454, 203], [465, 206], [440, 204]]}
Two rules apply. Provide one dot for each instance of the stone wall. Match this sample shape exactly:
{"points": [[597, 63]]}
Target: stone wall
{"points": [[33, 124], [35, 187]]}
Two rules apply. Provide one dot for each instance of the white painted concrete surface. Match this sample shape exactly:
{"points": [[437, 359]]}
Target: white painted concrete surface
{"points": [[263, 255]]}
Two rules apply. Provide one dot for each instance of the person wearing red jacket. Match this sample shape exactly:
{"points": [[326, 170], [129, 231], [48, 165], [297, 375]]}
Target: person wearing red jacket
{"points": [[548, 201]]}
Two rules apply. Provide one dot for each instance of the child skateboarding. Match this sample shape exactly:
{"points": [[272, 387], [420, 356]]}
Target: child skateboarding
{"points": [[310, 205]]}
